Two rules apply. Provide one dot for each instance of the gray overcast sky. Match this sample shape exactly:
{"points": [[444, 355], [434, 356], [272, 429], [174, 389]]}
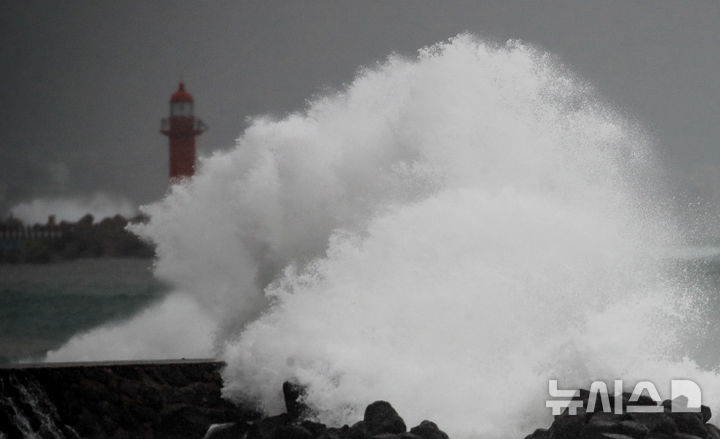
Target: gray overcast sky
{"points": [[85, 83]]}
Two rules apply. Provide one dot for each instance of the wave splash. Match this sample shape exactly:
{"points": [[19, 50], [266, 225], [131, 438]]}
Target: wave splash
{"points": [[447, 233]]}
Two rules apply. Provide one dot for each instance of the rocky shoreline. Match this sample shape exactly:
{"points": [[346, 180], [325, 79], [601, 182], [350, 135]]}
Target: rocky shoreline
{"points": [[381, 421], [630, 424], [44, 243], [182, 399]]}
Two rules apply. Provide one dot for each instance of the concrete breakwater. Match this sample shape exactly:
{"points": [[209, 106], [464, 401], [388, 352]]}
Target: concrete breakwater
{"points": [[153, 399]]}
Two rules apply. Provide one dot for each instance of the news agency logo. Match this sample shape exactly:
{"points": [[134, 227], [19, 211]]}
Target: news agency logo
{"points": [[685, 396]]}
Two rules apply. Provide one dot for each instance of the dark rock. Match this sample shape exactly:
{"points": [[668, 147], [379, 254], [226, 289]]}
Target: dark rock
{"points": [[690, 423], [428, 430], [669, 423], [380, 417], [612, 436], [335, 433], [567, 426], [633, 429], [292, 432], [267, 427], [656, 422], [706, 413], [359, 431], [359, 434], [315, 428], [540, 433], [294, 394], [713, 431], [230, 430], [601, 424], [607, 417]]}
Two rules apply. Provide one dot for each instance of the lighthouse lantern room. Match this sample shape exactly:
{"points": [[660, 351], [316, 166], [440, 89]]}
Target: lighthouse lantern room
{"points": [[181, 128]]}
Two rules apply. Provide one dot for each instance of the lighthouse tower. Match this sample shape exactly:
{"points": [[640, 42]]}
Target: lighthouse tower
{"points": [[181, 128]]}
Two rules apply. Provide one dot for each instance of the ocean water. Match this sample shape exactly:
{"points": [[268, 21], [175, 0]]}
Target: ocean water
{"points": [[42, 306], [448, 232]]}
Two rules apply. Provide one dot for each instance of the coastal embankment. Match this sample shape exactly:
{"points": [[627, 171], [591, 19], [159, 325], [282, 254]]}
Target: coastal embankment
{"points": [[152, 399]]}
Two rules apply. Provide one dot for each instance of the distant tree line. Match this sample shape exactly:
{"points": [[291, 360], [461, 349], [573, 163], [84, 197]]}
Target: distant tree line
{"points": [[42, 243]]}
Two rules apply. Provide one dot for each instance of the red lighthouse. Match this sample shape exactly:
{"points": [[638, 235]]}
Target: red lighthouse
{"points": [[181, 128]]}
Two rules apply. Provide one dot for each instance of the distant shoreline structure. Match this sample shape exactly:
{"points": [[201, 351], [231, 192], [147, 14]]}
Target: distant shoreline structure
{"points": [[51, 242]]}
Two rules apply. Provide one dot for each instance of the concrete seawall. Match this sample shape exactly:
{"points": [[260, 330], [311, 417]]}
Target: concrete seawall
{"points": [[148, 399]]}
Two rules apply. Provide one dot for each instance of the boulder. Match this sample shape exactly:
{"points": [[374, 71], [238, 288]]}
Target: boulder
{"points": [[380, 417], [294, 405], [428, 430], [567, 426]]}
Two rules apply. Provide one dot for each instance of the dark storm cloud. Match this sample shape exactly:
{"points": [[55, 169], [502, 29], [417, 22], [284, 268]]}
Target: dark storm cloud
{"points": [[85, 83]]}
